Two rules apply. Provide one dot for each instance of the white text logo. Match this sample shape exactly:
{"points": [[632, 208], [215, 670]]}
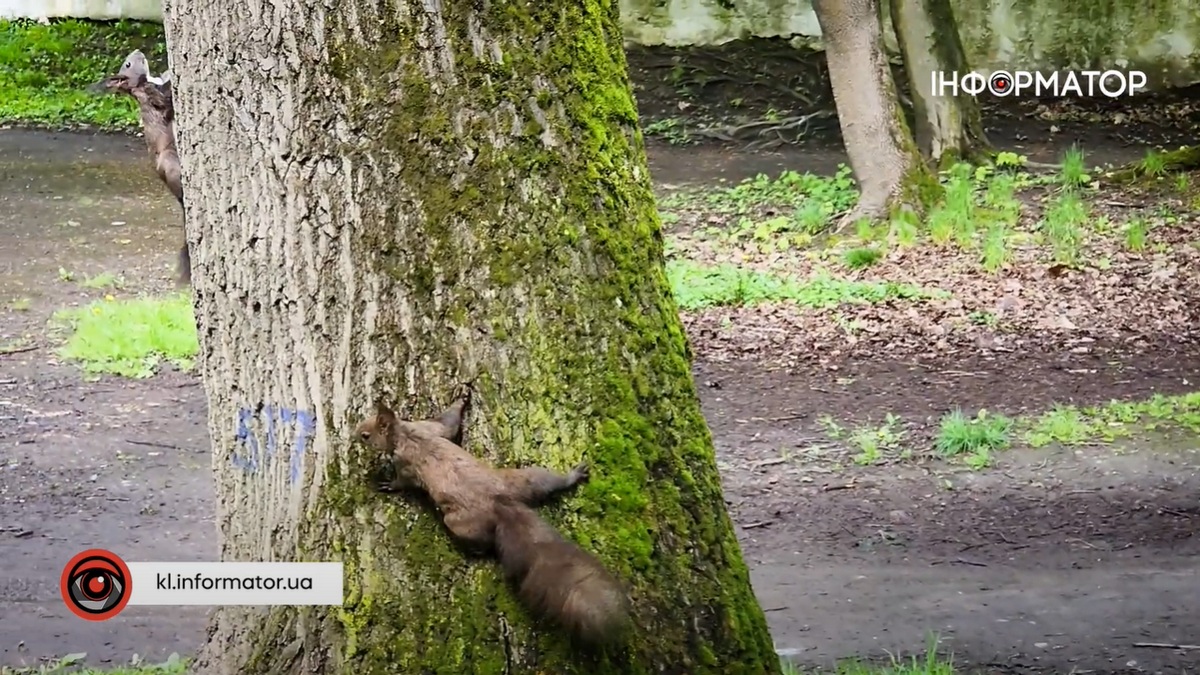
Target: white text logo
{"points": [[1089, 83]]}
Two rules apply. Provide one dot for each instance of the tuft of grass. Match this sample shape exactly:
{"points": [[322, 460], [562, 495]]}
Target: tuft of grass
{"points": [[47, 68], [130, 337], [1063, 226], [861, 258], [1137, 231], [905, 228], [1153, 164], [995, 248], [973, 438], [1073, 173], [930, 663], [697, 287]]}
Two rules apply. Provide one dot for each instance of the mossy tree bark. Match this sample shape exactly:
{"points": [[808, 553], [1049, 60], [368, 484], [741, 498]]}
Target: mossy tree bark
{"points": [[388, 199], [890, 171], [948, 127]]}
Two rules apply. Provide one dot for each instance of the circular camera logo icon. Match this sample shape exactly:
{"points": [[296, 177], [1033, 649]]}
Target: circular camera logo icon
{"points": [[1000, 83], [96, 585]]}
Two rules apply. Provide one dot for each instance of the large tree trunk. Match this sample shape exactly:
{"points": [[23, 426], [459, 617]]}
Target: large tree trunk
{"points": [[886, 162], [388, 199], [948, 128]]}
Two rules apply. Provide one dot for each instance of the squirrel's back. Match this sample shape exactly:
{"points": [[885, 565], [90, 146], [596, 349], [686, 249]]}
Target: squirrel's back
{"points": [[556, 578]]}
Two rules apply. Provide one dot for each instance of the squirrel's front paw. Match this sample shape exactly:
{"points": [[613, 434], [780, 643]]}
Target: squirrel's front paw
{"points": [[462, 393], [580, 473]]}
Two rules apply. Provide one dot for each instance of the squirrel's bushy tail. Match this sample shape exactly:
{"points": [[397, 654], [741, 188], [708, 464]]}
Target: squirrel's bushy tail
{"points": [[556, 578]]}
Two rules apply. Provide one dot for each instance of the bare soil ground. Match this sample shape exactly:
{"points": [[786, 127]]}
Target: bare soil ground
{"points": [[1053, 560]]}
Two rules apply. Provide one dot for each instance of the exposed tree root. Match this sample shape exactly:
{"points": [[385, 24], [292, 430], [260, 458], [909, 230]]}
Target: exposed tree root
{"points": [[765, 134]]}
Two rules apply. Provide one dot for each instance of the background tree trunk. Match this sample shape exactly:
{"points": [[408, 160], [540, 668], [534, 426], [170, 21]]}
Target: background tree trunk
{"points": [[886, 163], [388, 198], [948, 128]]}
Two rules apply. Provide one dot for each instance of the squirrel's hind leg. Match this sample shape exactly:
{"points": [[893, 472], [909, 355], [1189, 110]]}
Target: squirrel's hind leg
{"points": [[533, 485]]}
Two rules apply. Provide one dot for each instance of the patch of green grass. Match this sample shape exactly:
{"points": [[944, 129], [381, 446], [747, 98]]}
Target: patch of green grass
{"points": [[70, 663], [973, 439], [790, 190], [131, 337], [103, 280], [930, 663], [1076, 425], [697, 286], [861, 258], [48, 67], [20, 304]]}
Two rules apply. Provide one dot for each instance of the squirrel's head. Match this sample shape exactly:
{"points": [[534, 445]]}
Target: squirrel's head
{"points": [[379, 430]]}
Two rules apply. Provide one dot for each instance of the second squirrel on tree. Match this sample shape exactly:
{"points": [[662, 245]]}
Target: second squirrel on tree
{"points": [[490, 508]]}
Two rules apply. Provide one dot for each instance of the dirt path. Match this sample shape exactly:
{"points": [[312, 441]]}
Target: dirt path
{"points": [[1050, 561]]}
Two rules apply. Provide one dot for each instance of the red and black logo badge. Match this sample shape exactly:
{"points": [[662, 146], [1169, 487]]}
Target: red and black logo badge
{"points": [[96, 585]]}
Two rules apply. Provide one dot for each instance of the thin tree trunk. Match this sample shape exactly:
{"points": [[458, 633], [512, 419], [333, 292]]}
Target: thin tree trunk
{"points": [[887, 165], [949, 127], [387, 199]]}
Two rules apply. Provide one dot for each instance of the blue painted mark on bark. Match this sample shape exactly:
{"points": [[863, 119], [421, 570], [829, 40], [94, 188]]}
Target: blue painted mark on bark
{"points": [[275, 419]]}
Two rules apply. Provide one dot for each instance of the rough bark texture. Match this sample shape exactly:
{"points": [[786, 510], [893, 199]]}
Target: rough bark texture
{"points": [[948, 128], [885, 160], [386, 199]]}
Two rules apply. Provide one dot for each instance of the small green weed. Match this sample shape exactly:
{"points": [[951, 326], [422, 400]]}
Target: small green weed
{"points": [[1073, 173], [976, 438], [696, 287], [874, 444], [1010, 161], [48, 67], [1137, 231], [981, 318], [20, 304], [861, 258], [103, 280], [130, 337], [672, 130]]}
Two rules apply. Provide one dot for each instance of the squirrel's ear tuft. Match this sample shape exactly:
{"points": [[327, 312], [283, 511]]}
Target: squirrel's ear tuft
{"points": [[384, 417]]}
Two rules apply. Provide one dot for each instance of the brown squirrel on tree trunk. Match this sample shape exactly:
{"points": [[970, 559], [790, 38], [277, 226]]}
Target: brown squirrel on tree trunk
{"points": [[491, 508], [156, 107]]}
